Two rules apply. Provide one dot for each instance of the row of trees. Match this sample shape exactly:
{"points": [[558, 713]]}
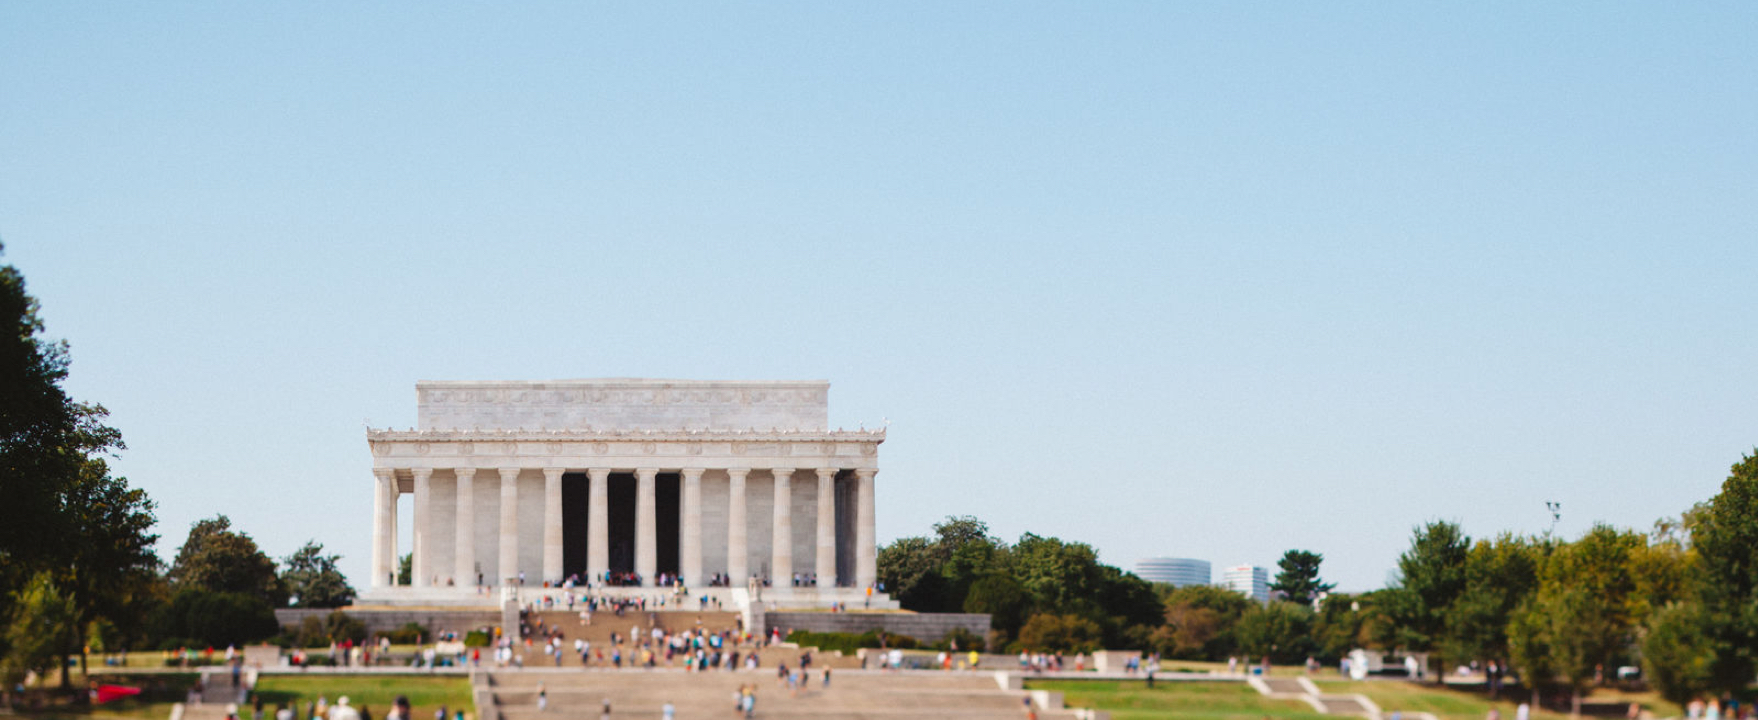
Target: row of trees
{"points": [[1042, 592], [1681, 602], [77, 568]]}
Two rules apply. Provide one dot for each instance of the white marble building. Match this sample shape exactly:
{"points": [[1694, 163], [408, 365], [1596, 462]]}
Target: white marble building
{"points": [[548, 481]]}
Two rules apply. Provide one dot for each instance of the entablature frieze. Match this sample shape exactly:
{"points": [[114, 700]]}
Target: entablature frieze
{"points": [[576, 449]]}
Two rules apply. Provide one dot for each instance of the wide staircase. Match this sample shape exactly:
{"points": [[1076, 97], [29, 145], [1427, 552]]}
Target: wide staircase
{"points": [[1303, 690], [641, 624], [852, 695]]}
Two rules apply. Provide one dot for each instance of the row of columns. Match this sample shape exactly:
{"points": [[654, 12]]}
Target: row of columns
{"points": [[384, 557]]}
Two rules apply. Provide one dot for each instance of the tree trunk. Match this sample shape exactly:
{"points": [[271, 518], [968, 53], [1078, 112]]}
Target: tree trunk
{"points": [[1574, 702]]}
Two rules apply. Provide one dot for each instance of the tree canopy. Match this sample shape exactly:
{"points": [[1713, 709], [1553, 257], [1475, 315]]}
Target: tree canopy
{"points": [[68, 529], [1298, 578], [312, 579], [218, 559]]}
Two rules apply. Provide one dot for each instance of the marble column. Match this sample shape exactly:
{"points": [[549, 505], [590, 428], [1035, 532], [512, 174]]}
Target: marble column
{"points": [[464, 544], [421, 575], [866, 554], [646, 526], [737, 567], [396, 561], [691, 539], [552, 525], [826, 566], [509, 562], [781, 543], [597, 525], [384, 527]]}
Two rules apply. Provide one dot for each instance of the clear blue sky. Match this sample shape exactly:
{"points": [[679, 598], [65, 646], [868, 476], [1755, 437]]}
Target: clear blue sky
{"points": [[1201, 280]]}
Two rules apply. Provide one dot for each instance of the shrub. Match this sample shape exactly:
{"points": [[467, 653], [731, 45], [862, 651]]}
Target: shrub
{"points": [[1046, 632], [966, 640], [475, 639], [850, 642], [213, 619], [410, 634]]}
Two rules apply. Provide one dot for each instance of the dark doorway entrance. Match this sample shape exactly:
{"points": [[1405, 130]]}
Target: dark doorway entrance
{"points": [[621, 489], [667, 501], [575, 506]]}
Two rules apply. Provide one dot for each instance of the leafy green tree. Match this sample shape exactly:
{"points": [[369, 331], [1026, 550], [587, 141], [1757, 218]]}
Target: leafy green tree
{"points": [[1007, 604], [1298, 578], [1725, 539], [217, 559], [406, 569], [41, 631], [1049, 632], [1529, 646], [1281, 630], [1499, 575], [1678, 655], [1588, 604], [64, 514], [197, 617], [909, 568], [1061, 577], [1340, 624], [1432, 576], [1200, 622], [968, 553], [314, 580]]}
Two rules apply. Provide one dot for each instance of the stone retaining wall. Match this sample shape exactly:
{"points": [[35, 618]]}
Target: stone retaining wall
{"points": [[385, 620], [926, 627]]}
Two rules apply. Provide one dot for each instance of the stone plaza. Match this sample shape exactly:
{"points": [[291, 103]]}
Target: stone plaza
{"points": [[735, 488]]}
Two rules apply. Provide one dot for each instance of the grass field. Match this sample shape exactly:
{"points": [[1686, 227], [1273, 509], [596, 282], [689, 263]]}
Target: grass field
{"points": [[1131, 700], [426, 693]]}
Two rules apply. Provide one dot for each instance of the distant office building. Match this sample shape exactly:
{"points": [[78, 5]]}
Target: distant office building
{"points": [[1248, 580], [1177, 572]]}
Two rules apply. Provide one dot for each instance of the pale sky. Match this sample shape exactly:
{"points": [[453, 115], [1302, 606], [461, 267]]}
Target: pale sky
{"points": [[1201, 280]]}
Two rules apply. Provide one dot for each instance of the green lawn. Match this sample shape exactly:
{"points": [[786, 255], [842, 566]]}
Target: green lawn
{"points": [[1131, 700], [426, 693], [1471, 704]]}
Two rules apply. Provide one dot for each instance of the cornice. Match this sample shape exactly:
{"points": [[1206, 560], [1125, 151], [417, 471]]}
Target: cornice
{"points": [[696, 436]]}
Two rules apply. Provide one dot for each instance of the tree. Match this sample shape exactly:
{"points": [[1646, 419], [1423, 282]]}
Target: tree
{"points": [[197, 616], [1200, 622], [1049, 632], [1340, 624], [64, 514], [1678, 655], [999, 595], [1432, 576], [41, 631], [1725, 538], [910, 569], [217, 559], [1062, 577], [313, 579], [405, 569], [1280, 630], [1499, 575], [1298, 579], [1587, 604]]}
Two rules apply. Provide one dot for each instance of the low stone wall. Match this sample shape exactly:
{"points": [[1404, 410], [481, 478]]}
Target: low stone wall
{"points": [[385, 620], [926, 627]]}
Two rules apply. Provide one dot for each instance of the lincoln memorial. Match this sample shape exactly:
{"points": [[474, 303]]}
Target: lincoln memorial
{"points": [[613, 485]]}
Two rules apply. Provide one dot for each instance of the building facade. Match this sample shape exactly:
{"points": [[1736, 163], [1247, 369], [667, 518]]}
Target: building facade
{"points": [[1248, 580], [1177, 572], [581, 482]]}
